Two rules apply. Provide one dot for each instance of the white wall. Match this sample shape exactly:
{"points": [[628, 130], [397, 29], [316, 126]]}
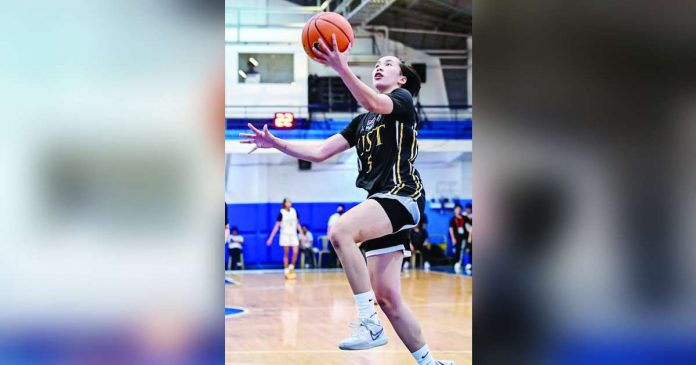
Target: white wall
{"points": [[332, 182]]}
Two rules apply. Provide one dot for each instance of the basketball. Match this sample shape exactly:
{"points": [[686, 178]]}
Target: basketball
{"points": [[324, 25]]}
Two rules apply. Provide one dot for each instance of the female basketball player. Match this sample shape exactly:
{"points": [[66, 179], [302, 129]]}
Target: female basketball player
{"points": [[385, 140], [289, 226]]}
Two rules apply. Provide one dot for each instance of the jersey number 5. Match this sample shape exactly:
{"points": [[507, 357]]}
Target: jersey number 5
{"points": [[369, 164]]}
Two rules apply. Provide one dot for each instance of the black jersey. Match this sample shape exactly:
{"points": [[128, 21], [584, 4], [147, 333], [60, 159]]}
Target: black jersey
{"points": [[387, 148]]}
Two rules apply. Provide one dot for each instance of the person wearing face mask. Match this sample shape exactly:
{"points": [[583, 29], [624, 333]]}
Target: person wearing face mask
{"points": [[468, 246], [385, 141], [458, 235]]}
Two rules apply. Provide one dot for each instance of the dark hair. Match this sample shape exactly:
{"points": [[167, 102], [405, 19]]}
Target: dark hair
{"points": [[468, 205], [342, 206], [457, 206], [234, 228], [285, 200], [413, 81]]}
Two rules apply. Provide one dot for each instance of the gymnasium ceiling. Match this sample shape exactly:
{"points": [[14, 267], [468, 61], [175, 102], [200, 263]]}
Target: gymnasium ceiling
{"points": [[437, 27], [421, 24]]}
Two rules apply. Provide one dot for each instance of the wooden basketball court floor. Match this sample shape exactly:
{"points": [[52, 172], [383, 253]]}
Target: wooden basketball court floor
{"points": [[302, 321]]}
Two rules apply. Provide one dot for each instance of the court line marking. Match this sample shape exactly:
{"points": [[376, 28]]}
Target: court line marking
{"points": [[243, 312], [448, 274], [336, 351]]}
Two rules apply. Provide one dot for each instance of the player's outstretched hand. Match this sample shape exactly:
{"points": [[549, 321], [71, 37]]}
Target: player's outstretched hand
{"points": [[260, 139]]}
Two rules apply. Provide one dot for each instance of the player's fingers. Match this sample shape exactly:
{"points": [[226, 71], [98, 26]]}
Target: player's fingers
{"points": [[323, 61], [324, 47], [253, 149], [335, 43], [253, 128], [318, 56], [318, 53], [247, 135], [316, 48], [247, 141]]}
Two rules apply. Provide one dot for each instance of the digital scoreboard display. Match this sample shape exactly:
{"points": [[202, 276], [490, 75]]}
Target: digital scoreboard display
{"points": [[284, 120]]}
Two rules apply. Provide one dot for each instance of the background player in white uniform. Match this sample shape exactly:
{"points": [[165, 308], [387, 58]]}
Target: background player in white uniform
{"points": [[385, 139], [290, 227]]}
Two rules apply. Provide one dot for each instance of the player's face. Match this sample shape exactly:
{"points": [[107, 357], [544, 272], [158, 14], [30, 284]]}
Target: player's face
{"points": [[288, 204], [457, 211], [387, 73]]}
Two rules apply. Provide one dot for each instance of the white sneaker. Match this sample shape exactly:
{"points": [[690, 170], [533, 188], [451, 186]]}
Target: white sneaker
{"points": [[458, 267], [426, 266], [467, 267], [368, 333], [406, 265]]}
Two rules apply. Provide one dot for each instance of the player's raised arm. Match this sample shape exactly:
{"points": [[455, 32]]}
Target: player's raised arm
{"points": [[316, 152]]}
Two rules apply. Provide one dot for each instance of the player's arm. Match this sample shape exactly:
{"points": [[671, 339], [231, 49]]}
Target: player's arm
{"points": [[316, 152], [365, 95], [273, 233], [451, 232]]}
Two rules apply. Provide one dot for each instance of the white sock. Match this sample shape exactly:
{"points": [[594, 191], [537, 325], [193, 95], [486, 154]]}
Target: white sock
{"points": [[423, 356], [366, 305]]}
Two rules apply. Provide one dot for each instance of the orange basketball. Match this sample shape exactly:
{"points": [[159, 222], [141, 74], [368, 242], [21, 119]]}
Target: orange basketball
{"points": [[324, 25]]}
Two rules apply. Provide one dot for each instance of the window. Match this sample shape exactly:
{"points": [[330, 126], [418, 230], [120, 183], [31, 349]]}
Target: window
{"points": [[266, 68]]}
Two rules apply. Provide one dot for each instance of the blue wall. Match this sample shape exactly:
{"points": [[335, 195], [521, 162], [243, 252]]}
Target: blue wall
{"points": [[255, 222]]}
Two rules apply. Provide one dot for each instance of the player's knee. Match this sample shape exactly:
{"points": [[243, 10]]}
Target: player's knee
{"points": [[339, 234], [389, 300]]}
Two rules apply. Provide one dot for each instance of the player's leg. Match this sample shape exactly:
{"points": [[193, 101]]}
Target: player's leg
{"points": [[385, 275], [365, 221], [286, 250], [295, 251], [458, 255]]}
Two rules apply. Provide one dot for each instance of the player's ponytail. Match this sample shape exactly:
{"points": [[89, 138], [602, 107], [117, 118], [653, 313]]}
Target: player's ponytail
{"points": [[413, 81]]}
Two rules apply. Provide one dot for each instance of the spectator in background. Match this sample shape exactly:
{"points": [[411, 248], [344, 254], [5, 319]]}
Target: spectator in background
{"points": [[307, 246], [457, 231], [334, 217], [419, 241], [468, 223], [235, 249]]}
